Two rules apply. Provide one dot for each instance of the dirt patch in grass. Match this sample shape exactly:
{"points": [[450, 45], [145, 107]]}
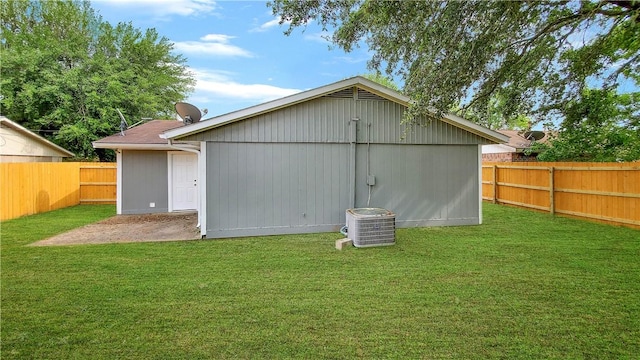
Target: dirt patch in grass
{"points": [[131, 228]]}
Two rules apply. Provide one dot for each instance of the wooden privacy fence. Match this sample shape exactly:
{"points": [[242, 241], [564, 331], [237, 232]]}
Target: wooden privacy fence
{"points": [[31, 188], [607, 192], [97, 183]]}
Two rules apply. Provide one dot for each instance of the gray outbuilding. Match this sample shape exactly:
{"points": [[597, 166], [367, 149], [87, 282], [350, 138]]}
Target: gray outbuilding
{"points": [[294, 165]]}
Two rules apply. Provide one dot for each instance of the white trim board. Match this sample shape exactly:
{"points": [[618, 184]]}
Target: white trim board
{"points": [[119, 182], [202, 180], [479, 184]]}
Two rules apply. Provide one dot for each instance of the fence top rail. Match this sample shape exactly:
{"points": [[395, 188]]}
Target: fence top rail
{"points": [[564, 163], [98, 167], [564, 168], [597, 168], [519, 167]]}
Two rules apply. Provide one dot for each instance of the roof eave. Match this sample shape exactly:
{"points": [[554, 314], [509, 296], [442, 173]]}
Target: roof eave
{"points": [[129, 146], [290, 100], [359, 81], [36, 137], [474, 128]]}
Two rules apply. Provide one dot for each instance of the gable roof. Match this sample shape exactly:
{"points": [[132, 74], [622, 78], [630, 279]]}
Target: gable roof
{"points": [[60, 151], [145, 136], [357, 81]]}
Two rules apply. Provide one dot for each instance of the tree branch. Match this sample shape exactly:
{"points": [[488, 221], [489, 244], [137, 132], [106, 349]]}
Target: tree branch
{"points": [[615, 74], [631, 5]]}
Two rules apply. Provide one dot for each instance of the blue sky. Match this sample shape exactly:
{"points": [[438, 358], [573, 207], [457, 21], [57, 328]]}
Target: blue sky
{"points": [[237, 51]]}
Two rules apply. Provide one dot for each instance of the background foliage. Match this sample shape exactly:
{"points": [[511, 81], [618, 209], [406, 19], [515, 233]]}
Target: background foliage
{"points": [[601, 126], [65, 71], [503, 64]]}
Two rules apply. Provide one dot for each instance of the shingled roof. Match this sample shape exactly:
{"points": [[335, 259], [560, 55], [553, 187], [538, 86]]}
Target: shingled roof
{"points": [[145, 135]]}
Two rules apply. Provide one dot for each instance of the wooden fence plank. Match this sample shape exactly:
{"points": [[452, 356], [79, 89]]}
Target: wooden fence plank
{"points": [[495, 184], [552, 203], [589, 192], [31, 188], [98, 183], [607, 192]]}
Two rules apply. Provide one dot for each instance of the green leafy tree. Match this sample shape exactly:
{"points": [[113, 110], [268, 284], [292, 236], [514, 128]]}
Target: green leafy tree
{"points": [[65, 72], [601, 126], [494, 116], [535, 56], [382, 80]]}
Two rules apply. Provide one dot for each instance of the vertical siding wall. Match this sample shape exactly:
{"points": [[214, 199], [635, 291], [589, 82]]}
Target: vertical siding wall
{"points": [[326, 120], [289, 171], [144, 181], [261, 189], [606, 192], [31, 188], [423, 184]]}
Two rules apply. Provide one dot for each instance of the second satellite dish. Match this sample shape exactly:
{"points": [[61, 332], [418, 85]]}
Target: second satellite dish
{"points": [[189, 113], [534, 135]]}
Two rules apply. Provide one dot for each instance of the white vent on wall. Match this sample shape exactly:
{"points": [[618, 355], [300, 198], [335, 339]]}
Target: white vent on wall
{"points": [[342, 94], [371, 227], [365, 95]]}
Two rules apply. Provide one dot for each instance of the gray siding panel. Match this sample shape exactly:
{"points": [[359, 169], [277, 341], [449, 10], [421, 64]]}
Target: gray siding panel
{"points": [[144, 180], [288, 171], [325, 120], [262, 189], [423, 185], [319, 121], [386, 127]]}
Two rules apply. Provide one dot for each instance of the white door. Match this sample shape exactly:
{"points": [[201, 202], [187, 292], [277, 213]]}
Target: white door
{"points": [[184, 181]]}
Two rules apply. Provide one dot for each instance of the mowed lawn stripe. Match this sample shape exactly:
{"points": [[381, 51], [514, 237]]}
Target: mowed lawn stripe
{"points": [[522, 285]]}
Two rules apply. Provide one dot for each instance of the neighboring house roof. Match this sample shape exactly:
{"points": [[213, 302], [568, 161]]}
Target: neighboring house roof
{"points": [[518, 142], [17, 140], [358, 81], [144, 136]]}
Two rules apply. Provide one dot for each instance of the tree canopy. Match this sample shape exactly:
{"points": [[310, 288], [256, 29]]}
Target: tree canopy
{"points": [[601, 126], [382, 80], [65, 72], [533, 56]]}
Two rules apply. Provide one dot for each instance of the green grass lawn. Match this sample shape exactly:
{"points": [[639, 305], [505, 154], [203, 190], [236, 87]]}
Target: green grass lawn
{"points": [[523, 285]]}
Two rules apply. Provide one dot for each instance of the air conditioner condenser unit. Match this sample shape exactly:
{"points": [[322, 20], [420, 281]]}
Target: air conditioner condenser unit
{"points": [[368, 227]]}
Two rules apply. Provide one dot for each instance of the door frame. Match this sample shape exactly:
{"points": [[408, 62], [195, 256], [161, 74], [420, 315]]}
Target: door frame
{"points": [[170, 170]]}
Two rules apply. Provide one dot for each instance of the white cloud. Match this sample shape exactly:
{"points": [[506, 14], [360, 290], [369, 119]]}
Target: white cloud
{"points": [[220, 84], [217, 38], [345, 60], [269, 24], [322, 37], [164, 8], [351, 59], [212, 44]]}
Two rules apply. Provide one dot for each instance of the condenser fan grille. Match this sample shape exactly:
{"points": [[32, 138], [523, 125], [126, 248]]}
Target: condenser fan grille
{"points": [[371, 227]]}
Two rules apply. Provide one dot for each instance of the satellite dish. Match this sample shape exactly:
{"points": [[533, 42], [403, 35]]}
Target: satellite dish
{"points": [[533, 135], [123, 123], [189, 113]]}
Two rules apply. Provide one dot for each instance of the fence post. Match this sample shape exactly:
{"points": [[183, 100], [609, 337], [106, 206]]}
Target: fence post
{"points": [[495, 184], [552, 205]]}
